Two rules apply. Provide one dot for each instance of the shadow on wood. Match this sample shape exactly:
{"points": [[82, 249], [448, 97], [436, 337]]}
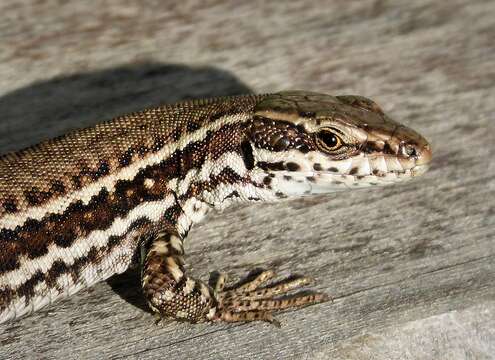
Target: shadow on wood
{"points": [[50, 108]]}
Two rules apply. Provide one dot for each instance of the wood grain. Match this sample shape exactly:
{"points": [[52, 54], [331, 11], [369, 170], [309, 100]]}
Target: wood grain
{"points": [[411, 267]]}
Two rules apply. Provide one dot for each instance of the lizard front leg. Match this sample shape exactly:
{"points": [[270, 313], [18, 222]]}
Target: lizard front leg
{"points": [[168, 290], [173, 294]]}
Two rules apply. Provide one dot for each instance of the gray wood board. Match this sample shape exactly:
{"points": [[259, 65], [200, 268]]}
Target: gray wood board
{"points": [[411, 267]]}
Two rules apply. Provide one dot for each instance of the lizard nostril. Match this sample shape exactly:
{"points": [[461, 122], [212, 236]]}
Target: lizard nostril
{"points": [[409, 151]]}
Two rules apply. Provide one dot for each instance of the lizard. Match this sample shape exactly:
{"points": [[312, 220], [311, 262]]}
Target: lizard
{"points": [[82, 207]]}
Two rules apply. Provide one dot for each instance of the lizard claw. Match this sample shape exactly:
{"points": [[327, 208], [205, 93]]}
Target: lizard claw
{"points": [[257, 300]]}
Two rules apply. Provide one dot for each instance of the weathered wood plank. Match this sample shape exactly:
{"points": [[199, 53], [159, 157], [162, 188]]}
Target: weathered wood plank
{"points": [[411, 268]]}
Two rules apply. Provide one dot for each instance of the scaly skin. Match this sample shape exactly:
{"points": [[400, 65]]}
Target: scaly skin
{"points": [[80, 208]]}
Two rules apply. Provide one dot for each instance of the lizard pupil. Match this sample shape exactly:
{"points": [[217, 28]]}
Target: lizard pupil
{"points": [[328, 140]]}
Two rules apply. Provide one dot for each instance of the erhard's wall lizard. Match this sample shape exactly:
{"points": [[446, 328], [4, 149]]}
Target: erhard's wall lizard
{"points": [[80, 208]]}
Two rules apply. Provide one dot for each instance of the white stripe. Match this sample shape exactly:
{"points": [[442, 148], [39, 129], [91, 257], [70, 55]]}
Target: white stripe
{"points": [[58, 206]]}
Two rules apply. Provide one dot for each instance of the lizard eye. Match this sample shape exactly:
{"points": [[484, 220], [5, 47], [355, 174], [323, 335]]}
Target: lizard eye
{"points": [[328, 141]]}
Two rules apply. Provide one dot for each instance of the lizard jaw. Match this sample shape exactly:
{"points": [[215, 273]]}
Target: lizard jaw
{"points": [[307, 174]]}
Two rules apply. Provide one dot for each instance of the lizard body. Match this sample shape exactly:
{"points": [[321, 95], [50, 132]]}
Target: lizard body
{"points": [[80, 208]]}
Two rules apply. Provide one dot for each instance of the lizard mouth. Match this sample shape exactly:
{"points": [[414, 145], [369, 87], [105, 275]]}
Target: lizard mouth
{"points": [[359, 172]]}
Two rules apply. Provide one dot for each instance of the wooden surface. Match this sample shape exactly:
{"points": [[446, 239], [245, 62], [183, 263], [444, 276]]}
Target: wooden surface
{"points": [[411, 267]]}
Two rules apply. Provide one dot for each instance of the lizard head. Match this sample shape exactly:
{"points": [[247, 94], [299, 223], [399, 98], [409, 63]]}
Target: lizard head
{"points": [[307, 143]]}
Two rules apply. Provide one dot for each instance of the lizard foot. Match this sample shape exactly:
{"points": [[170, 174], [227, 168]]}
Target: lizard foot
{"points": [[256, 300]]}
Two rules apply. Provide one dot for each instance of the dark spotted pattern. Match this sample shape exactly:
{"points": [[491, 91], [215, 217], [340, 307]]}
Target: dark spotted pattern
{"points": [[279, 136], [10, 206], [267, 180], [353, 171], [292, 166]]}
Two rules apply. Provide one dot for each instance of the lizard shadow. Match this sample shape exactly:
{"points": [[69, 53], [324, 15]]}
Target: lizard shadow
{"points": [[46, 109], [50, 108], [128, 285]]}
